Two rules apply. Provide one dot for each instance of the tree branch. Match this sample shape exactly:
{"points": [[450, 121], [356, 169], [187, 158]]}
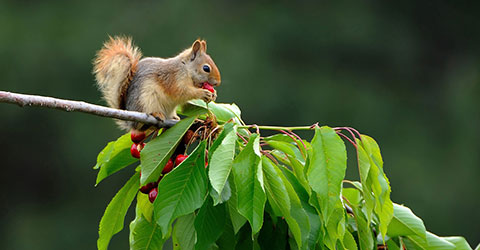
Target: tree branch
{"points": [[79, 106]]}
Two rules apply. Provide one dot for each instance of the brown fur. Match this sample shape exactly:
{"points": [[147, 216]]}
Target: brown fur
{"points": [[114, 67], [153, 85]]}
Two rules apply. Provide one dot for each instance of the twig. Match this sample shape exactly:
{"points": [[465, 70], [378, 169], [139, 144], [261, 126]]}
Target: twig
{"points": [[79, 106]]}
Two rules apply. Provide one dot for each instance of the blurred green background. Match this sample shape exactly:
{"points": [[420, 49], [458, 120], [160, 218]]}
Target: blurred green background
{"points": [[406, 73]]}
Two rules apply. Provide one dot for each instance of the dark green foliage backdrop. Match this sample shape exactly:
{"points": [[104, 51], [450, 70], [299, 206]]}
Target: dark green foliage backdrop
{"points": [[405, 73]]}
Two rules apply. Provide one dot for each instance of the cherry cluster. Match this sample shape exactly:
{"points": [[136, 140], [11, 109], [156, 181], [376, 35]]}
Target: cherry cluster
{"points": [[199, 130], [152, 188], [178, 157]]}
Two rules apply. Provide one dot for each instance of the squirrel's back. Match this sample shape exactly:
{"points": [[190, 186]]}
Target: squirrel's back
{"points": [[114, 67]]}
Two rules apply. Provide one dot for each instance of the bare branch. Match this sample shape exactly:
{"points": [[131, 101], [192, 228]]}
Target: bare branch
{"points": [[79, 106]]}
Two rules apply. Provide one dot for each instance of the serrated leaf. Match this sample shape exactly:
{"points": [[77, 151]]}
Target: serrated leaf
{"points": [[328, 162], [459, 242], [405, 222], [364, 232], [220, 163], [279, 197], [364, 170], [184, 235], [248, 175], [223, 197], [379, 183], [237, 220], [114, 157], [183, 190], [432, 242], [275, 188], [114, 216], [144, 205], [145, 235], [302, 213], [209, 224], [159, 150]]}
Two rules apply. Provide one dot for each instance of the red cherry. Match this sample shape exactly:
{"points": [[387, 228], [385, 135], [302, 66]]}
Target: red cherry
{"points": [[148, 187], [137, 136], [134, 151], [208, 87], [153, 195], [179, 159], [168, 167]]}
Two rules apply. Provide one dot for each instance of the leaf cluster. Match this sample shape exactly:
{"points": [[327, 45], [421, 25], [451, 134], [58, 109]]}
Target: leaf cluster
{"points": [[274, 192]]}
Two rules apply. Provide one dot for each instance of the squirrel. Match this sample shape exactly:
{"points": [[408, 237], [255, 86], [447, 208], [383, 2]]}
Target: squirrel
{"points": [[153, 85]]}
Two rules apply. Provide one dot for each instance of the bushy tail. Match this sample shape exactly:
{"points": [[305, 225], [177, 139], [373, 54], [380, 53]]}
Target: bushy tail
{"points": [[114, 67]]}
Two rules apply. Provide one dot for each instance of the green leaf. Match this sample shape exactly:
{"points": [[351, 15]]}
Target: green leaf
{"points": [[405, 222], [157, 152], [209, 224], [236, 218], [220, 163], [248, 175], [349, 241], [364, 170], [294, 159], [223, 111], [183, 190], [145, 235], [223, 197], [275, 187], [227, 240], [302, 213], [378, 181], [432, 242], [353, 196], [459, 242], [392, 245], [113, 218], [328, 162], [114, 157], [364, 232], [184, 236], [190, 109], [144, 205]]}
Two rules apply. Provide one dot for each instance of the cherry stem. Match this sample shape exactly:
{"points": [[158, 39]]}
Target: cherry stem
{"points": [[267, 154], [294, 138], [300, 139], [278, 128], [347, 138], [243, 138]]}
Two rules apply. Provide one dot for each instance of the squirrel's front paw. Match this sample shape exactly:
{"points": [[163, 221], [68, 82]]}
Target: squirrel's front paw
{"points": [[208, 96]]}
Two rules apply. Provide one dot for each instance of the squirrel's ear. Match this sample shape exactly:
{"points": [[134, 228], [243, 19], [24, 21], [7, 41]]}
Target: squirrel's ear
{"points": [[195, 49], [204, 45]]}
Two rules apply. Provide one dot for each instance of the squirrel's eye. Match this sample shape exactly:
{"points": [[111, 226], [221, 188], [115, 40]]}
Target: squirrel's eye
{"points": [[206, 68]]}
